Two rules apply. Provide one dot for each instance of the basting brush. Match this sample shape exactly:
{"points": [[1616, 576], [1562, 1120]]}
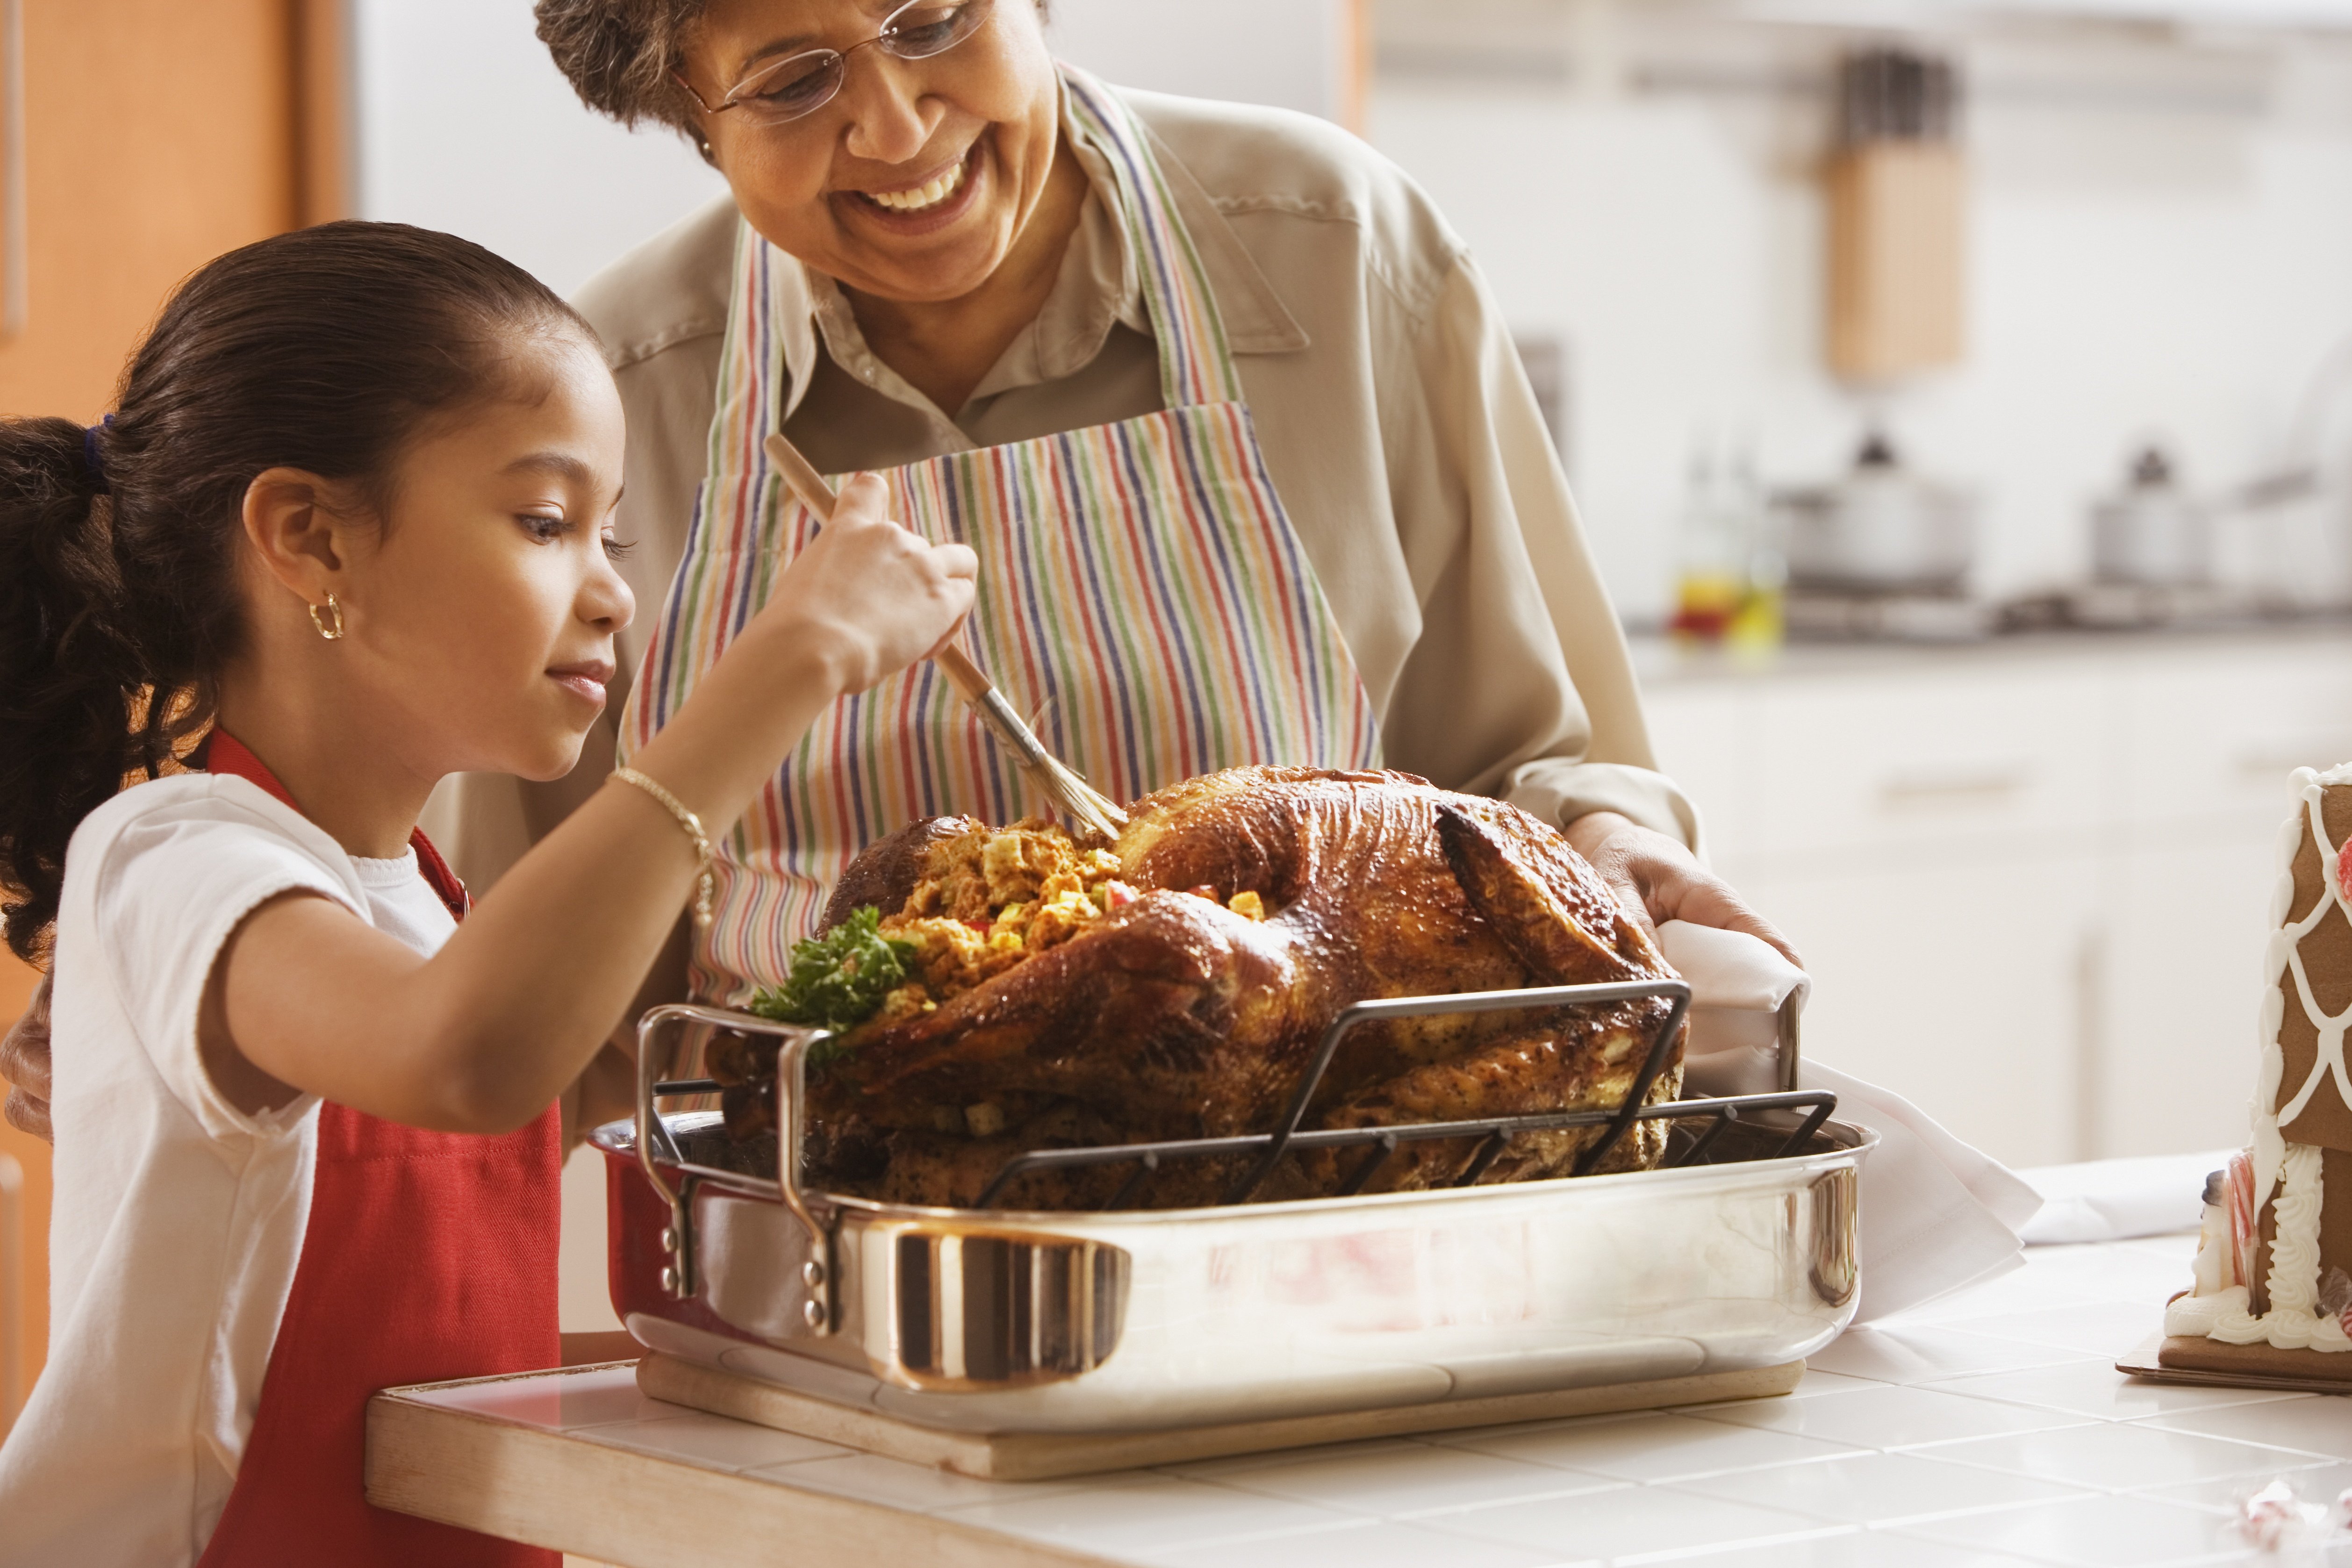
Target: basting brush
{"points": [[1061, 784]]}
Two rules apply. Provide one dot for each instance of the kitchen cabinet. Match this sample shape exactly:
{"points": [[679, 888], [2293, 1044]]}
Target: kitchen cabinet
{"points": [[1938, 762], [1957, 983], [2030, 878], [2178, 970]]}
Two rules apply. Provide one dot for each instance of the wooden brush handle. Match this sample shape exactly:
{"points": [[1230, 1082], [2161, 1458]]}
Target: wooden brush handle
{"points": [[967, 678], [801, 478]]}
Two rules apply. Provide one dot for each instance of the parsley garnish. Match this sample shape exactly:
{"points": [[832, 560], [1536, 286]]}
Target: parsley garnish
{"points": [[839, 981]]}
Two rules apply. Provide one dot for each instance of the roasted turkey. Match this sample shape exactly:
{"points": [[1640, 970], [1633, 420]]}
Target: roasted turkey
{"points": [[1209, 948]]}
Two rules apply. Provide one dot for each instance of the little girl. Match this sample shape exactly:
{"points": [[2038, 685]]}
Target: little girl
{"points": [[346, 534]]}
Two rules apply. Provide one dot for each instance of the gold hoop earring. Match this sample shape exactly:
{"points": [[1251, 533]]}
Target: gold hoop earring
{"points": [[331, 633]]}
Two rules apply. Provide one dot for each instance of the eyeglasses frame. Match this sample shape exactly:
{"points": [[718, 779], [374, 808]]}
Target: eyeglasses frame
{"points": [[735, 95]]}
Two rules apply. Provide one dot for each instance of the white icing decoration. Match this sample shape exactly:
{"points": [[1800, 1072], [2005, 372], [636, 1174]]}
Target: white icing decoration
{"points": [[2330, 1058], [2294, 1238], [2340, 774], [2287, 1329], [2238, 1328], [2195, 1315], [2291, 1323]]}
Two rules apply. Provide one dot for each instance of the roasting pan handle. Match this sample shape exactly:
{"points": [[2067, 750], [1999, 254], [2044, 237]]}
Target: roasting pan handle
{"points": [[791, 1060]]}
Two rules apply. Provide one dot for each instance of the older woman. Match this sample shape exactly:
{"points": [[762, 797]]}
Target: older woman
{"points": [[1224, 406]]}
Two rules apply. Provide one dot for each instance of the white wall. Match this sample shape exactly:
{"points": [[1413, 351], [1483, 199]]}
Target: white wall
{"points": [[2161, 246], [465, 124], [1292, 54]]}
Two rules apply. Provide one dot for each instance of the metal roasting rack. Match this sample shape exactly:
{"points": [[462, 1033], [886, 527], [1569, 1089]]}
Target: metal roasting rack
{"points": [[1493, 1134]]}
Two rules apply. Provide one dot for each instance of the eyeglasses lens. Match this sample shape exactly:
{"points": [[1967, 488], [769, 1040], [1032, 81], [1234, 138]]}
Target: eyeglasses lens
{"points": [[802, 85], [806, 83], [922, 30]]}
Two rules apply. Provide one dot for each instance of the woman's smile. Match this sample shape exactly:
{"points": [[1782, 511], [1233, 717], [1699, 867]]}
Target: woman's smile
{"points": [[926, 205]]}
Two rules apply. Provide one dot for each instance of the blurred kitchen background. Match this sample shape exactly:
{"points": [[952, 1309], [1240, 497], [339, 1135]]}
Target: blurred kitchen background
{"points": [[1959, 397]]}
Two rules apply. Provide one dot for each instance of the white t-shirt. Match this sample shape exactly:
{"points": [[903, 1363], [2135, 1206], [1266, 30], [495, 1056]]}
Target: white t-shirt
{"points": [[178, 1219]]}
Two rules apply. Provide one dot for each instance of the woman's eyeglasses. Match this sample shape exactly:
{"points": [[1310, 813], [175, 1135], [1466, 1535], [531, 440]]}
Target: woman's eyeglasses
{"points": [[803, 83]]}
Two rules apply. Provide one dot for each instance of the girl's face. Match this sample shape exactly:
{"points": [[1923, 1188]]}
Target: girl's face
{"points": [[960, 144], [480, 615]]}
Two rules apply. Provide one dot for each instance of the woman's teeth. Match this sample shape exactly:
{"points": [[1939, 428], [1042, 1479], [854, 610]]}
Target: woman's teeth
{"points": [[923, 196]]}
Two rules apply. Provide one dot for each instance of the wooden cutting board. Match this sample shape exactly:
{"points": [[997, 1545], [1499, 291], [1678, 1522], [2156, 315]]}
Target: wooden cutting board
{"points": [[1041, 1456]]}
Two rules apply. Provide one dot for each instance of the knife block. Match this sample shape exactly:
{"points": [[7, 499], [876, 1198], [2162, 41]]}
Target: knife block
{"points": [[1897, 241]]}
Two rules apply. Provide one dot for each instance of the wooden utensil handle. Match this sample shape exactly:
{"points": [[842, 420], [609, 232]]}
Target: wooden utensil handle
{"points": [[966, 676], [800, 476]]}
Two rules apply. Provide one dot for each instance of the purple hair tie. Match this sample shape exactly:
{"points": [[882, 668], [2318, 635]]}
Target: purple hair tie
{"points": [[90, 452]]}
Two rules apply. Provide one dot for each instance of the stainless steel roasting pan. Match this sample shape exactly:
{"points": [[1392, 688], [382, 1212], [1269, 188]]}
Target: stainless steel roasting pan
{"points": [[994, 1320]]}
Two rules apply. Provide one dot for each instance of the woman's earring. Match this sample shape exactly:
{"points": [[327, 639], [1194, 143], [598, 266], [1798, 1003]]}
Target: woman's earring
{"points": [[333, 631]]}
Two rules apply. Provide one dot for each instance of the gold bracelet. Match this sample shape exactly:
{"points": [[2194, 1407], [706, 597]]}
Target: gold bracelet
{"points": [[704, 884]]}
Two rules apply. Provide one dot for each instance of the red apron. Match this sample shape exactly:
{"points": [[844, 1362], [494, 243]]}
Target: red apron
{"points": [[429, 1256]]}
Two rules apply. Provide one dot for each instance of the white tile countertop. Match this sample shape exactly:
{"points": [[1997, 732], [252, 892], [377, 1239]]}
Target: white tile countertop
{"points": [[1990, 1427]]}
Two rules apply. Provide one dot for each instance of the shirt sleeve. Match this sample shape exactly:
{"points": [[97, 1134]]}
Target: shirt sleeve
{"points": [[1520, 684], [173, 881]]}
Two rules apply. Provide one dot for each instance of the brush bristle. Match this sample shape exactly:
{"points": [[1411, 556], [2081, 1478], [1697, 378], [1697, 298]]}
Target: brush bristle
{"points": [[1076, 797]]}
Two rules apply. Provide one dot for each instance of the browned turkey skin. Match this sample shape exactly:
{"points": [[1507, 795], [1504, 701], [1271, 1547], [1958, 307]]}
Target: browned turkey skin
{"points": [[1175, 1017]]}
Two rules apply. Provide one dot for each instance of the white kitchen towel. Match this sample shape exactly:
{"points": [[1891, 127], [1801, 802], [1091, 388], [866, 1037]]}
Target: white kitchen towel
{"points": [[1739, 986], [1937, 1214], [2110, 1200]]}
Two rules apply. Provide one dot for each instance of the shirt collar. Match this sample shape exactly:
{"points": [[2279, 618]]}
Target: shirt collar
{"points": [[1099, 286]]}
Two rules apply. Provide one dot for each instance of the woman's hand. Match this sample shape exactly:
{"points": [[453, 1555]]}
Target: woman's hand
{"points": [[24, 1063], [1660, 879], [872, 596]]}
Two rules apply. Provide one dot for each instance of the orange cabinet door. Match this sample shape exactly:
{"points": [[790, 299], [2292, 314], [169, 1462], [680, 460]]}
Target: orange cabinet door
{"points": [[139, 139]]}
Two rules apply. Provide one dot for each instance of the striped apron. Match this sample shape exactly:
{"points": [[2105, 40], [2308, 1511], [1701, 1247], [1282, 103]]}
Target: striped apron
{"points": [[1139, 588]]}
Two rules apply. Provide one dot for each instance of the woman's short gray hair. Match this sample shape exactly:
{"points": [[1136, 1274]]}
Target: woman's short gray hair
{"points": [[618, 55]]}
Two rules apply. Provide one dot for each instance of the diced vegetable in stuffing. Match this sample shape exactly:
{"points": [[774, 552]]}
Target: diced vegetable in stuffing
{"points": [[988, 899]]}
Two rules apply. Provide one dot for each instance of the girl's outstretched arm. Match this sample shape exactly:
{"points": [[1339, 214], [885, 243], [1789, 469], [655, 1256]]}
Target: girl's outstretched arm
{"points": [[484, 1035]]}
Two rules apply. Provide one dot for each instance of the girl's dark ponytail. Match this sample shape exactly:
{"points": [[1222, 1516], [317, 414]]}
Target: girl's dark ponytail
{"points": [[326, 349], [67, 660]]}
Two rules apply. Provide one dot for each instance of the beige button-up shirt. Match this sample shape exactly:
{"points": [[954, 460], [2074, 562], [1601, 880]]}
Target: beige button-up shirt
{"points": [[1401, 432]]}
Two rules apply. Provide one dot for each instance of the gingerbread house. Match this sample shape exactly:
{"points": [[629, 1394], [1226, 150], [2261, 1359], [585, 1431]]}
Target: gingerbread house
{"points": [[2273, 1277]]}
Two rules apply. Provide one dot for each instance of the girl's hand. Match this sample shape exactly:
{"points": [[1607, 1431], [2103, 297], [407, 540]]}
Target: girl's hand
{"points": [[867, 595]]}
